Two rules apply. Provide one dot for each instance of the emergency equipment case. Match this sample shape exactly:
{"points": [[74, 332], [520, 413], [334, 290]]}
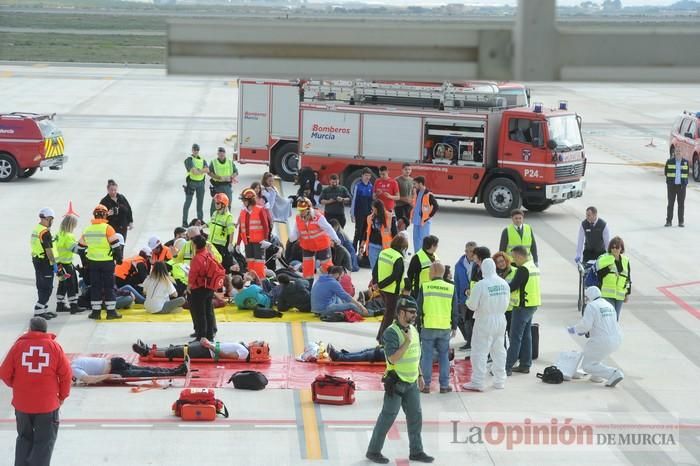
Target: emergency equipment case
{"points": [[331, 390]]}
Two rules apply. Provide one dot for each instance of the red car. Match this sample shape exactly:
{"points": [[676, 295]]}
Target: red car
{"points": [[685, 140], [29, 141]]}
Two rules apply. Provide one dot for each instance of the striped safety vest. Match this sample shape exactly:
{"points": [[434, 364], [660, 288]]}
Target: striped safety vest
{"points": [[437, 304]]}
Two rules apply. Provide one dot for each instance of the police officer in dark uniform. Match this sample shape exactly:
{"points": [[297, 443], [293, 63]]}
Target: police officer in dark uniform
{"points": [[593, 237]]}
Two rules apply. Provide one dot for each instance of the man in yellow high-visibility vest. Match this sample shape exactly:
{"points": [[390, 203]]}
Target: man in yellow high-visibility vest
{"points": [[402, 384], [519, 233], [44, 262]]}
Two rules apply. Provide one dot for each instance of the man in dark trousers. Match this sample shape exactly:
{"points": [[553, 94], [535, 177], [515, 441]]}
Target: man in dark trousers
{"points": [[593, 237], [676, 171], [44, 262], [38, 371]]}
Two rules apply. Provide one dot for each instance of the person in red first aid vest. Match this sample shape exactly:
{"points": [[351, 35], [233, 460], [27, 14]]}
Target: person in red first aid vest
{"points": [[315, 235], [39, 373], [253, 230]]}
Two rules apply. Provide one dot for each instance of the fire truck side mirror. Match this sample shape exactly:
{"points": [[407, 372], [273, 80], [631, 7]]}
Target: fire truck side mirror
{"points": [[552, 144]]}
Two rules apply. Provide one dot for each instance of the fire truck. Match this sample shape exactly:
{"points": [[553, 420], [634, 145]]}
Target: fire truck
{"points": [[471, 141], [29, 141]]}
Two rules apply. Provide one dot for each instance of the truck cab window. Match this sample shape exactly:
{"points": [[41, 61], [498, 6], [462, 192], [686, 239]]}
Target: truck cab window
{"points": [[520, 130]]}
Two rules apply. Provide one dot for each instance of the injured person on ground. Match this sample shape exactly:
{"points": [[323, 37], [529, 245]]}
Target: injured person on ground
{"points": [[320, 351], [203, 349], [90, 370]]}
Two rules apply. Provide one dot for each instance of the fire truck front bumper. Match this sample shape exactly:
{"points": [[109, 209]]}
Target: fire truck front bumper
{"points": [[563, 191]]}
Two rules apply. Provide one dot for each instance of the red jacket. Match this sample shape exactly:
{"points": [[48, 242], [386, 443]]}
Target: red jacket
{"points": [[39, 373], [197, 277]]}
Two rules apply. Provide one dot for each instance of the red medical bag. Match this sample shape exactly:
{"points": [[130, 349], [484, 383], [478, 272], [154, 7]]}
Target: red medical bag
{"points": [[330, 390], [199, 404]]}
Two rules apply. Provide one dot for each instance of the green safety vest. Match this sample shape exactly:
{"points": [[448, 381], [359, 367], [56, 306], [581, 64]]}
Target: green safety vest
{"points": [[533, 296], [98, 247], [224, 168], [220, 227], [671, 171], [614, 284], [37, 248], [437, 304], [406, 367], [178, 272], [65, 243], [514, 238], [425, 264], [515, 294], [198, 163], [385, 266]]}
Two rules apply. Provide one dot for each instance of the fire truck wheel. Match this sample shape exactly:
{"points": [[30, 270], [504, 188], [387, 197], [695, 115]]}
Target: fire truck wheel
{"points": [[8, 168], [537, 207], [501, 196], [696, 167], [27, 172], [286, 161]]}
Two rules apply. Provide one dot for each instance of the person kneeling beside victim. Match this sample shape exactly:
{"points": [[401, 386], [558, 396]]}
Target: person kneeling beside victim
{"points": [[95, 370], [203, 349]]}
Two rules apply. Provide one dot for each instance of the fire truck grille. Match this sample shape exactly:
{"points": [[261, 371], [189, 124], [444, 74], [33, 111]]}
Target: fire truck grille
{"points": [[569, 170]]}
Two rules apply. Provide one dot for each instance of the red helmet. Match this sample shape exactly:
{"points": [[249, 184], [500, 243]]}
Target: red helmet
{"points": [[221, 198], [248, 193], [100, 211]]}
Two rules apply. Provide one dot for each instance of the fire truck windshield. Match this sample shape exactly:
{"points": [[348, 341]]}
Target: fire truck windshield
{"points": [[565, 132]]}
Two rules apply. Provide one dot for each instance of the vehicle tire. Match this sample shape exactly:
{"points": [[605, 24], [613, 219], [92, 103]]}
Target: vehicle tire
{"points": [[353, 178], [8, 168], [285, 163], [696, 167], [501, 196], [537, 207], [27, 172]]}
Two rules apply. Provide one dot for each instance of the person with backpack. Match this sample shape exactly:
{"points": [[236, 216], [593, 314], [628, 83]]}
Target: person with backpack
{"points": [[206, 276]]}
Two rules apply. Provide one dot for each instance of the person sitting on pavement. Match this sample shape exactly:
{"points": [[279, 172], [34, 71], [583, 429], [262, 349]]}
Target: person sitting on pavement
{"points": [[600, 320], [294, 293], [159, 288], [90, 370], [203, 349], [327, 296], [253, 295]]}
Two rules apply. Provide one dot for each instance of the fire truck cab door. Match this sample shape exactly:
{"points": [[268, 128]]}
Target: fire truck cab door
{"points": [[523, 147]]}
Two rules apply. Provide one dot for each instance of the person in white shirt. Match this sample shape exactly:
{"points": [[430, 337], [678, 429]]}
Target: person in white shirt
{"points": [[600, 321], [203, 349], [95, 370], [489, 299], [159, 288]]}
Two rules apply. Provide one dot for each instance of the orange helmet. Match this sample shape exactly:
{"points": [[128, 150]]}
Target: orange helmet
{"points": [[248, 193], [303, 204], [100, 211], [221, 198]]}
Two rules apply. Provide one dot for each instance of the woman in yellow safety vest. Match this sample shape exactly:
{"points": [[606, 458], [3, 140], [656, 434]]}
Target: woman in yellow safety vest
{"points": [[614, 274]]}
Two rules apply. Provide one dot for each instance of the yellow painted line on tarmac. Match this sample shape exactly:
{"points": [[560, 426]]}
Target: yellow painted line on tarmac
{"points": [[6, 74], [312, 437], [40, 65], [233, 84]]}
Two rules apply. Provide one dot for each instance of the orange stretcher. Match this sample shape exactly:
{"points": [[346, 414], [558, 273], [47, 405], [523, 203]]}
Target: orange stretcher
{"points": [[258, 352]]}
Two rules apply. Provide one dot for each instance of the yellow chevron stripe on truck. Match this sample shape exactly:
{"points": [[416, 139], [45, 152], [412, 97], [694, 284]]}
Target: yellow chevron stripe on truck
{"points": [[53, 147]]}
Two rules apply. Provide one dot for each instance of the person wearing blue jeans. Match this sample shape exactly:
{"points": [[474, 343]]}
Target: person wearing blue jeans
{"points": [[375, 354], [438, 318], [138, 297], [328, 296], [424, 208], [520, 348]]}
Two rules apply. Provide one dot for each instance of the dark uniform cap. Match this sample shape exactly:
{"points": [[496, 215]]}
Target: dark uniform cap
{"points": [[407, 303], [195, 146]]}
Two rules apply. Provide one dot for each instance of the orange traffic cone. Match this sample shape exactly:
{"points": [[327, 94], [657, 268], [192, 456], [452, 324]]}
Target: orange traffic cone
{"points": [[70, 210]]}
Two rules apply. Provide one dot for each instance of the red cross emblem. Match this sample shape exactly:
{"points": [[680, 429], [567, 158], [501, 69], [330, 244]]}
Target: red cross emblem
{"points": [[35, 359]]}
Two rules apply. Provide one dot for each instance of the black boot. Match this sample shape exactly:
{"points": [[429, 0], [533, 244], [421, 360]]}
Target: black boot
{"points": [[61, 307], [95, 314], [111, 315], [75, 309]]}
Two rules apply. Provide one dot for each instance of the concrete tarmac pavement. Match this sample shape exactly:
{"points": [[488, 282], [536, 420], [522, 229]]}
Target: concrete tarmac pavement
{"points": [[136, 125]]}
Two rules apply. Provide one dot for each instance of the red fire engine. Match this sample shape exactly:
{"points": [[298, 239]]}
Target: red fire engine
{"points": [[29, 141], [469, 141]]}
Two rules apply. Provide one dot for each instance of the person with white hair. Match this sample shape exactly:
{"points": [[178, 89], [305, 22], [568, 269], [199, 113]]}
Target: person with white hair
{"points": [[600, 321], [489, 299]]}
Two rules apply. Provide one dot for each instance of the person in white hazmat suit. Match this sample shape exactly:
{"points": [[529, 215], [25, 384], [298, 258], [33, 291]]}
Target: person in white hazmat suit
{"points": [[600, 320], [489, 300]]}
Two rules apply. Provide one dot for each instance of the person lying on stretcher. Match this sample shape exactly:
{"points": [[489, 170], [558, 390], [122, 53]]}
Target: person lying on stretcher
{"points": [[203, 349], [96, 370], [319, 351]]}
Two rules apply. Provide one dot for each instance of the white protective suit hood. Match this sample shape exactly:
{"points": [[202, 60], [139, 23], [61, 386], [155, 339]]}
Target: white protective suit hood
{"points": [[488, 268], [592, 293]]}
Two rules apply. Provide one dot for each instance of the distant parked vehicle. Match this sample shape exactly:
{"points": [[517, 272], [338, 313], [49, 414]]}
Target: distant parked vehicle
{"points": [[685, 140], [29, 141]]}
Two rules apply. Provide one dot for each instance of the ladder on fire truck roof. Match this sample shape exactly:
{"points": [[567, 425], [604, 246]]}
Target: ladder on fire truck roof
{"points": [[446, 95]]}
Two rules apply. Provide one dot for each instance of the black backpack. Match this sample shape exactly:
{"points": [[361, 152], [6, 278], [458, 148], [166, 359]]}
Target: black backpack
{"points": [[551, 374], [266, 313], [248, 380]]}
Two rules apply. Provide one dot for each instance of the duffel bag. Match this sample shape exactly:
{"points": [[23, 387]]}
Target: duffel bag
{"points": [[248, 380], [197, 404], [331, 390]]}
